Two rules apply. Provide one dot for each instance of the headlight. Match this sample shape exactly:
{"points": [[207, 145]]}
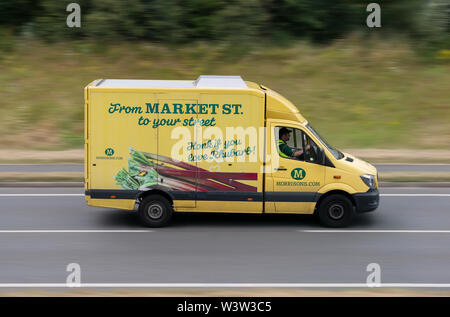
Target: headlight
{"points": [[369, 180]]}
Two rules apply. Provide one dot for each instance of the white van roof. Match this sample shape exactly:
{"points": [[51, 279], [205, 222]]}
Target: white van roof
{"points": [[203, 81]]}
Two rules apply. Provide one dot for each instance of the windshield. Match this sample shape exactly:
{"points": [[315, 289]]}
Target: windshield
{"points": [[336, 153]]}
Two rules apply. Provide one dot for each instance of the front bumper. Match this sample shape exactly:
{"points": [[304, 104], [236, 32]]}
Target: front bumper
{"points": [[367, 201]]}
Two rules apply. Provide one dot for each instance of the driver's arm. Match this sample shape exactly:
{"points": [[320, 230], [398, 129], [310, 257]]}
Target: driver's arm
{"points": [[297, 153], [300, 152], [286, 150]]}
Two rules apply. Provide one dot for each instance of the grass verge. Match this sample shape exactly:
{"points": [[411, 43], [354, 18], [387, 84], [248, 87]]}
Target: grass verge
{"points": [[358, 93]]}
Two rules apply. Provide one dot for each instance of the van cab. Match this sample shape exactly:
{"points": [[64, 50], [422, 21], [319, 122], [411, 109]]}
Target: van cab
{"points": [[216, 144]]}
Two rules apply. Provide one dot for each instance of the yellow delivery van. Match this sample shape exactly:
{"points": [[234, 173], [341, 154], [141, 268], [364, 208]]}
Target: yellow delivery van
{"points": [[215, 144]]}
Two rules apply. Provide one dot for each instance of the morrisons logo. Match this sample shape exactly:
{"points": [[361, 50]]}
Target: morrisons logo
{"points": [[298, 173], [109, 152]]}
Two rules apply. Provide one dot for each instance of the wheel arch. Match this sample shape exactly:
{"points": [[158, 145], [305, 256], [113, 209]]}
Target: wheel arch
{"points": [[155, 191], [335, 192]]}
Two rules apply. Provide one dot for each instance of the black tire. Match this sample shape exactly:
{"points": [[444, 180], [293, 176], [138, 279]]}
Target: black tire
{"points": [[336, 211], [155, 211]]}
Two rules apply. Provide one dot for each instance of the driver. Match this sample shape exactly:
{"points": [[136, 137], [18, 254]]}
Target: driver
{"points": [[285, 150]]}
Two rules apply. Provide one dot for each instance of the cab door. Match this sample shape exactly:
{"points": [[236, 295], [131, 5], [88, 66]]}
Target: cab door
{"points": [[292, 183]]}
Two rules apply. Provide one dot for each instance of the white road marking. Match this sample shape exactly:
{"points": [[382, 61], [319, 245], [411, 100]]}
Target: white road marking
{"points": [[75, 231], [224, 285], [372, 231]]}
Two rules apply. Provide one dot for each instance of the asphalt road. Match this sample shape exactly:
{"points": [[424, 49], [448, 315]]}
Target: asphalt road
{"points": [[41, 234], [80, 167]]}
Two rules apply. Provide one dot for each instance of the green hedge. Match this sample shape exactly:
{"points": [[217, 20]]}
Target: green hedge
{"points": [[182, 21]]}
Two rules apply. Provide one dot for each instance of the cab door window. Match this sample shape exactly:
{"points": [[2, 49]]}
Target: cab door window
{"points": [[312, 150], [295, 144], [289, 142]]}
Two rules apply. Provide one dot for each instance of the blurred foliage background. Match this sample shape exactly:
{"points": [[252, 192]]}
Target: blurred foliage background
{"points": [[361, 87], [183, 21]]}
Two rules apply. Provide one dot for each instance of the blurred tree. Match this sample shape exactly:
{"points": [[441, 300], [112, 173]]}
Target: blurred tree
{"points": [[164, 21], [200, 17], [112, 20], [426, 22], [240, 20], [316, 19], [181, 21], [16, 13], [50, 20]]}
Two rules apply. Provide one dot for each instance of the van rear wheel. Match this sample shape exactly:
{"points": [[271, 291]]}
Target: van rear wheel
{"points": [[336, 211], [155, 211]]}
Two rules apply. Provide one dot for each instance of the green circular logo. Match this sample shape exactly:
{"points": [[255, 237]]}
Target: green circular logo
{"points": [[298, 173], [109, 152]]}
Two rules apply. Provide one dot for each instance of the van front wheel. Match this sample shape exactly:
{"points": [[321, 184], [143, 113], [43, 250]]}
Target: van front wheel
{"points": [[336, 211], [155, 211]]}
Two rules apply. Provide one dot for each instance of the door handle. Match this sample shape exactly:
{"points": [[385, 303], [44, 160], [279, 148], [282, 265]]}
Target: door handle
{"points": [[280, 169]]}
